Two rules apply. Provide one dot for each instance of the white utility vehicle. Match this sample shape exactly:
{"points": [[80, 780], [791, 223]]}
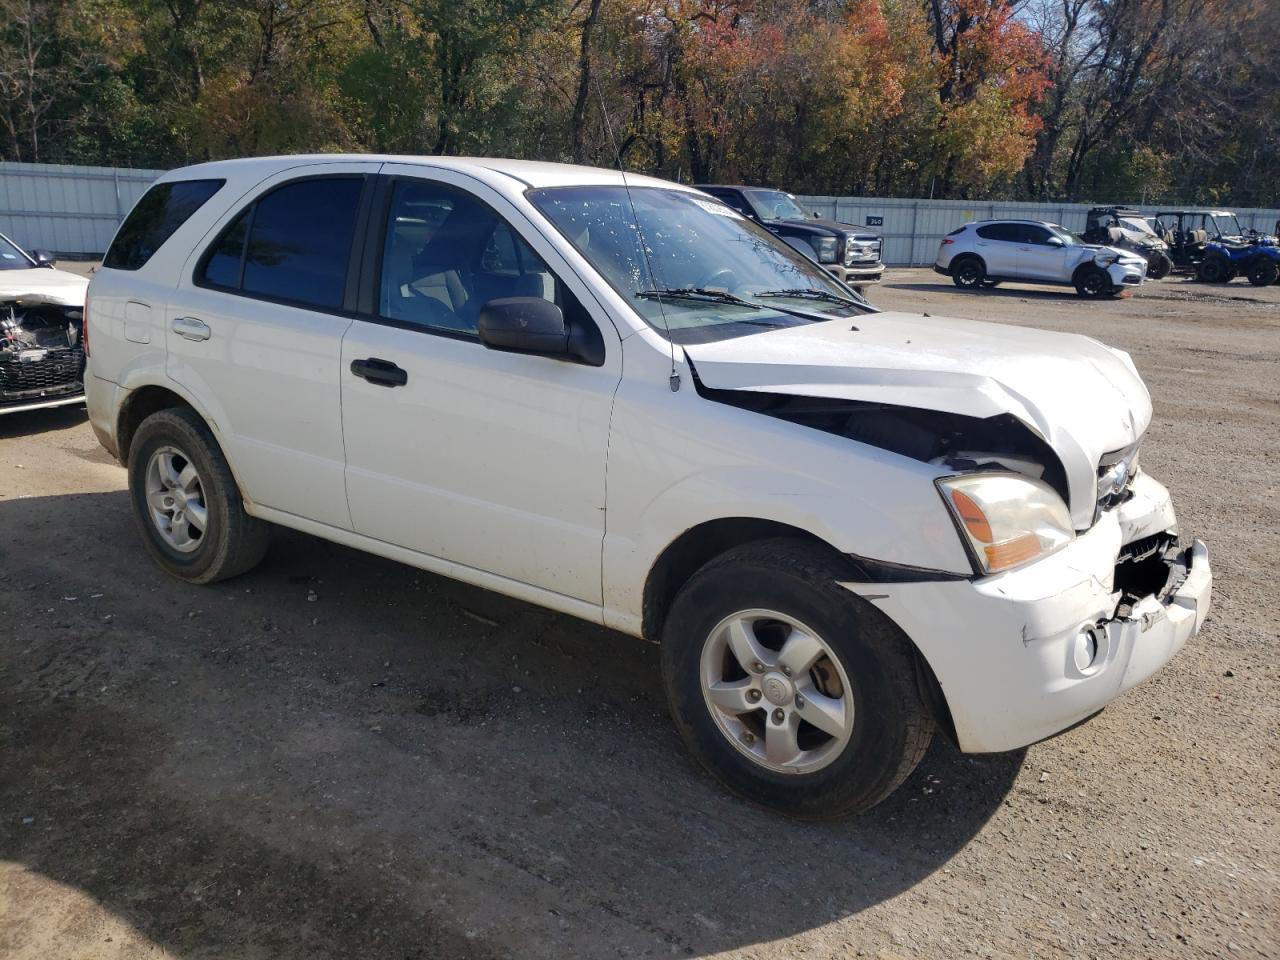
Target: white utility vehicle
{"points": [[624, 401]]}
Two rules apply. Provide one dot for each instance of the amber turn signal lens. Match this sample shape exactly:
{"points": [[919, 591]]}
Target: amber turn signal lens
{"points": [[1002, 556], [971, 514]]}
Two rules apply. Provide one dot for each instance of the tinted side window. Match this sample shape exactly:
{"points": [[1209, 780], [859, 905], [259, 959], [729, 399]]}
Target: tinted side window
{"points": [[734, 200], [292, 244], [1036, 235], [153, 220], [999, 231]]}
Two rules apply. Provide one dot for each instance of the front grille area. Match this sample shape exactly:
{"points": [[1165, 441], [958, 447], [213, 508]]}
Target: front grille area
{"points": [[58, 372]]}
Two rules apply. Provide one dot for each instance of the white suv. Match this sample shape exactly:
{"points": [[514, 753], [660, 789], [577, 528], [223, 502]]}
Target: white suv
{"points": [[988, 252], [626, 402]]}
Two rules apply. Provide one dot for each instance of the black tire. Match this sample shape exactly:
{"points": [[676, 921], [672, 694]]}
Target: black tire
{"points": [[1159, 266], [1214, 268], [1263, 271], [968, 273], [232, 542], [1092, 282], [892, 724]]}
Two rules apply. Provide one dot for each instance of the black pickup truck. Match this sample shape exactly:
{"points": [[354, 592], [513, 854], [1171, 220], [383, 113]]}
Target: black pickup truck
{"points": [[851, 253]]}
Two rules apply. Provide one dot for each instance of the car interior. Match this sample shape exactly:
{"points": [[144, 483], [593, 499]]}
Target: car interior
{"points": [[447, 255]]}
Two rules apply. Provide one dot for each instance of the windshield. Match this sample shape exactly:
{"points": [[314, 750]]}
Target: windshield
{"points": [[1136, 223], [775, 205], [1227, 225], [706, 272], [11, 257]]}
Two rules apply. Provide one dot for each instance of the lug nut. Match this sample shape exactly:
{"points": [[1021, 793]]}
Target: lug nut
{"points": [[786, 671], [753, 695], [799, 702], [778, 715], [748, 737], [757, 667]]}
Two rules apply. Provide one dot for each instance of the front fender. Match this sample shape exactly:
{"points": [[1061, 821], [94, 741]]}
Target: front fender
{"points": [[711, 461]]}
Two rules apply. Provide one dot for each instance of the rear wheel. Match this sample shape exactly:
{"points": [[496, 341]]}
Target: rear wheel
{"points": [[1159, 266], [1093, 282], [186, 502], [1263, 271], [788, 688], [1214, 268], [968, 273]]}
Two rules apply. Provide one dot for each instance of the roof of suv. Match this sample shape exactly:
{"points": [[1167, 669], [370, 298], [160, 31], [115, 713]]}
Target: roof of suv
{"points": [[531, 173]]}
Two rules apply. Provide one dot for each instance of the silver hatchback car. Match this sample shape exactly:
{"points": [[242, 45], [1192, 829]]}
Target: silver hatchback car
{"points": [[987, 252]]}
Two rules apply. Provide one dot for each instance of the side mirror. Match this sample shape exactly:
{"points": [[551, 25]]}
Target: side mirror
{"points": [[525, 325], [536, 326], [43, 258], [1055, 242]]}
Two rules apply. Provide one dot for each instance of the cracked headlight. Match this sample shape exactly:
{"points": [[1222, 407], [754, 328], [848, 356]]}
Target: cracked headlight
{"points": [[1007, 519]]}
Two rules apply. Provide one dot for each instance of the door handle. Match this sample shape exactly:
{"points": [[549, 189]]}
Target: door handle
{"points": [[191, 328], [384, 373]]}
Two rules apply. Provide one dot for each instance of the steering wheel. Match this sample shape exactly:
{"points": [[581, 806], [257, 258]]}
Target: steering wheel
{"points": [[724, 277]]}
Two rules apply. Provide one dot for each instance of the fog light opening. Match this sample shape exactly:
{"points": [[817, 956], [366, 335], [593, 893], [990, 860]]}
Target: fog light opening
{"points": [[1087, 649]]}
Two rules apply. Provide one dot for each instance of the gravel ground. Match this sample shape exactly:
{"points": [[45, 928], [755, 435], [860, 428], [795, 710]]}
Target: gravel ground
{"points": [[338, 756]]}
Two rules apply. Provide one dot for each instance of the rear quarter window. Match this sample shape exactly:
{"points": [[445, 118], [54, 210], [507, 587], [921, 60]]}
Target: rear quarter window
{"points": [[155, 218]]}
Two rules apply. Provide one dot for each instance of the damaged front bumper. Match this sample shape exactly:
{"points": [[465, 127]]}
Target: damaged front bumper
{"points": [[42, 360], [1027, 654]]}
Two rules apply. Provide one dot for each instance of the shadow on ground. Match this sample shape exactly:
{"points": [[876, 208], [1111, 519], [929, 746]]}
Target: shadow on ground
{"points": [[30, 422], [341, 756]]}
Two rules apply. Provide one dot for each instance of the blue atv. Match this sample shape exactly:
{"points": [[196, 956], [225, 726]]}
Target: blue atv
{"points": [[1257, 259]]}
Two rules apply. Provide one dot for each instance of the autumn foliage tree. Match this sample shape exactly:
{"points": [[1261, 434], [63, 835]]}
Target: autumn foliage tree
{"points": [[1046, 99]]}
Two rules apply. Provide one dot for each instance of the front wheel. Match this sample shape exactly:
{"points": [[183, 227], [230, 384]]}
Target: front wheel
{"points": [[788, 688], [1159, 266], [1093, 282], [186, 502], [1263, 272]]}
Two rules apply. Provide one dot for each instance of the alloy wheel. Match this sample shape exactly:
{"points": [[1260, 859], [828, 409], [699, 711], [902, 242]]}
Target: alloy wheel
{"points": [[777, 691], [175, 499]]}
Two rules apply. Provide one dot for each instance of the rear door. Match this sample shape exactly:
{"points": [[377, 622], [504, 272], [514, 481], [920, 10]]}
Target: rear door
{"points": [[996, 245], [491, 460], [255, 334]]}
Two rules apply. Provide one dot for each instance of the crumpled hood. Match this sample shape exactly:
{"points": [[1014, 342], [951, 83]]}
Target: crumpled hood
{"points": [[1085, 399], [41, 283]]}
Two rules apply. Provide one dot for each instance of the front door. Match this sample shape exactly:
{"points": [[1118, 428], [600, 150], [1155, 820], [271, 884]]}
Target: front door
{"points": [[1039, 258], [491, 460]]}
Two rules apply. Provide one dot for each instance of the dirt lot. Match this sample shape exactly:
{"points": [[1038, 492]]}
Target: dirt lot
{"points": [[337, 756]]}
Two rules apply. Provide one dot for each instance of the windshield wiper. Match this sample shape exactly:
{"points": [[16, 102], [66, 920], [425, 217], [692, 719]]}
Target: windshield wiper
{"points": [[810, 293], [705, 294]]}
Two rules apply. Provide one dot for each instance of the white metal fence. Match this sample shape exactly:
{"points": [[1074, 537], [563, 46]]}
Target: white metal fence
{"points": [[74, 211], [912, 229]]}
